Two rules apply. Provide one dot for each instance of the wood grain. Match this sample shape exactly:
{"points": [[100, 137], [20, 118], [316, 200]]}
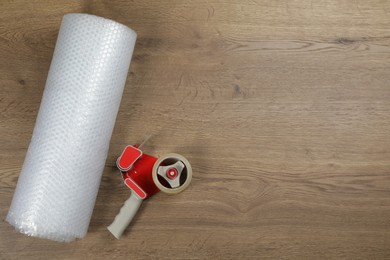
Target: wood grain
{"points": [[282, 107]]}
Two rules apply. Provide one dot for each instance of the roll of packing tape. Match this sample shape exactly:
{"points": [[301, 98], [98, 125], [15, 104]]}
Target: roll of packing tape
{"points": [[185, 175]]}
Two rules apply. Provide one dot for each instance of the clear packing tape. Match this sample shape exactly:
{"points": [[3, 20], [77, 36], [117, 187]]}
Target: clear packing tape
{"points": [[60, 177]]}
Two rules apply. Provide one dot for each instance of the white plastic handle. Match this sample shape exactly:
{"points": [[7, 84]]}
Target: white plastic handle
{"points": [[125, 215]]}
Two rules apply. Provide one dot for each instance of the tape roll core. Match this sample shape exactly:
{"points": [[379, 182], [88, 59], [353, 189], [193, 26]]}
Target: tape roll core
{"points": [[175, 157]]}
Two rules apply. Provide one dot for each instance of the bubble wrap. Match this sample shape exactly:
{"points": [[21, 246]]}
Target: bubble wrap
{"points": [[60, 177]]}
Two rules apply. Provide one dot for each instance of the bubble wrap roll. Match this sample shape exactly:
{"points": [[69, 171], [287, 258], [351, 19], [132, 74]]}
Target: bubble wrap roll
{"points": [[60, 177]]}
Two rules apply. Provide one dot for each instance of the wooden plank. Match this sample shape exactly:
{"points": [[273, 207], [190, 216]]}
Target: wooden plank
{"points": [[282, 107]]}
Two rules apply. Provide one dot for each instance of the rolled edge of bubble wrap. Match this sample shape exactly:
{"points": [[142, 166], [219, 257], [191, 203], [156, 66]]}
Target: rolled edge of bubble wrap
{"points": [[60, 177]]}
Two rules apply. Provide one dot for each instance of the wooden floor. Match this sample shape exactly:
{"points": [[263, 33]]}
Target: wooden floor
{"points": [[282, 107]]}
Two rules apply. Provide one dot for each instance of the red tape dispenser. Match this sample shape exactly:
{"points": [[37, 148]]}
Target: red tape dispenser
{"points": [[146, 175]]}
